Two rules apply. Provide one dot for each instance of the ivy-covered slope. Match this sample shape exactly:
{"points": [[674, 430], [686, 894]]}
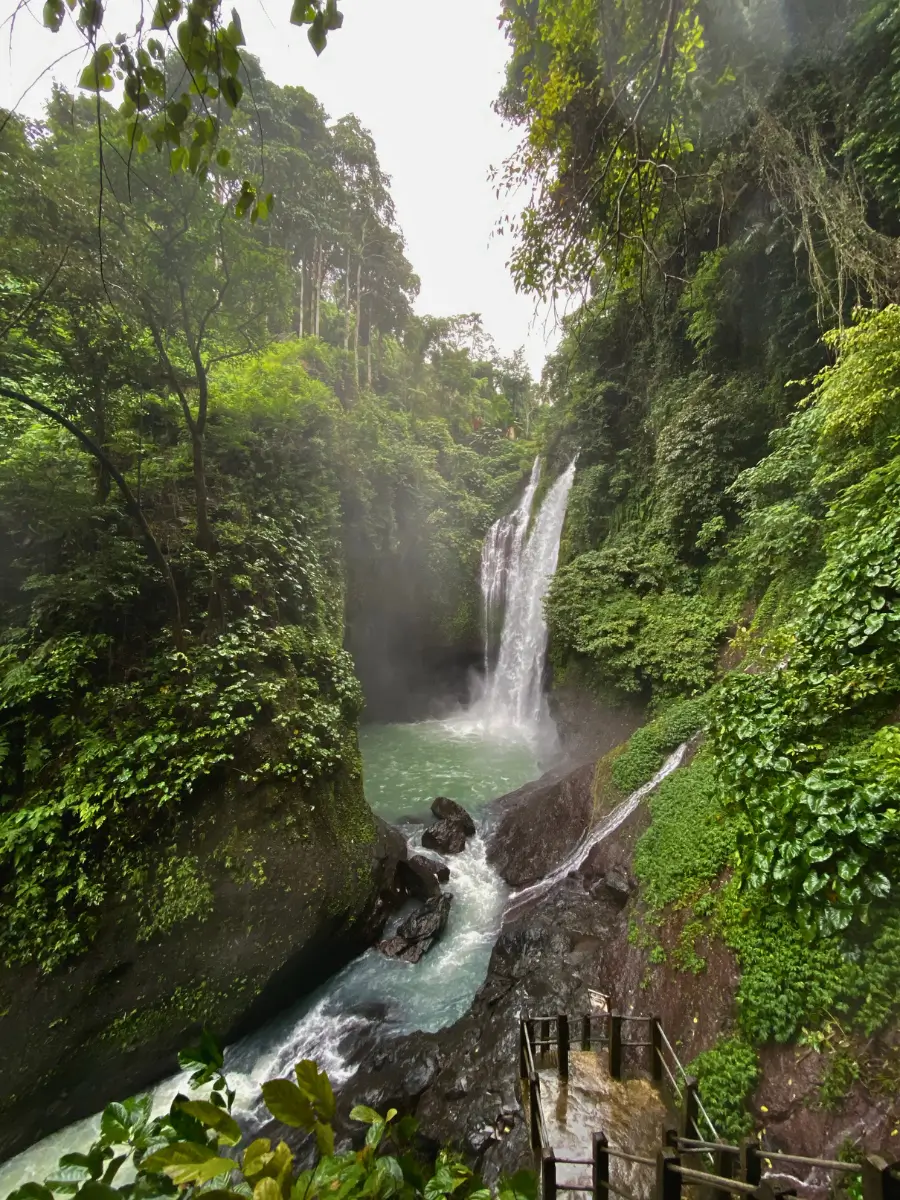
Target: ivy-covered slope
{"points": [[732, 390], [184, 832]]}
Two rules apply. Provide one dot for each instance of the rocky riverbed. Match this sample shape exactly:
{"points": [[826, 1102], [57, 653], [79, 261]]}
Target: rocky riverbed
{"points": [[461, 1082]]}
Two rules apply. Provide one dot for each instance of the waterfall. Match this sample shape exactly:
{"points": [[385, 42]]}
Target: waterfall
{"points": [[593, 836], [517, 567], [502, 549]]}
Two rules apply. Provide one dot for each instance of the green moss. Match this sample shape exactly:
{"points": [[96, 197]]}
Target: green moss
{"points": [[690, 838], [647, 749], [180, 893], [181, 1006]]}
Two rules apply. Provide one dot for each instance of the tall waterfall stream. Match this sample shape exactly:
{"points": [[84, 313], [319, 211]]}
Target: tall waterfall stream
{"points": [[489, 749]]}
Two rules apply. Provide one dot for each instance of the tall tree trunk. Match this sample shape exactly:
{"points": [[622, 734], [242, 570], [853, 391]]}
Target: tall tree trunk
{"points": [[318, 283], [205, 539], [300, 324], [356, 329], [369, 357], [347, 303], [103, 479]]}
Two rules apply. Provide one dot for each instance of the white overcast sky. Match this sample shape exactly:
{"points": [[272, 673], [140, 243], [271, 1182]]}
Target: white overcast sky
{"points": [[421, 75]]}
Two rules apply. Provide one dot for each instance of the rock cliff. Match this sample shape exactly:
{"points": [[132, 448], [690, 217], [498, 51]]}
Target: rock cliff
{"points": [[263, 893]]}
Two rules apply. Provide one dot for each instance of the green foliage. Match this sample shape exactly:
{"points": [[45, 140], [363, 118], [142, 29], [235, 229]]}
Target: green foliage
{"points": [[879, 981], [181, 894], [209, 54], [648, 748], [727, 1075], [788, 980], [605, 608], [198, 1148], [821, 820], [690, 839], [176, 602]]}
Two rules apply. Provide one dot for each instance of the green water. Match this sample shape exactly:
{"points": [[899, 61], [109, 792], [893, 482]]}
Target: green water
{"points": [[406, 766]]}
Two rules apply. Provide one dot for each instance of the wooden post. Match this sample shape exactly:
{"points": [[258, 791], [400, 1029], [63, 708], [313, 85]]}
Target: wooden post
{"points": [[877, 1181], [687, 1122], [533, 1093], [656, 1050], [668, 1182], [544, 1037], [723, 1165], [615, 1046], [751, 1167], [586, 1032], [548, 1174], [523, 1055], [562, 1045], [600, 1169]]}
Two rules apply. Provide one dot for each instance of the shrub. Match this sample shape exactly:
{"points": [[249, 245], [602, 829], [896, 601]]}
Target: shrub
{"points": [[196, 1149], [648, 747], [690, 839], [727, 1075]]}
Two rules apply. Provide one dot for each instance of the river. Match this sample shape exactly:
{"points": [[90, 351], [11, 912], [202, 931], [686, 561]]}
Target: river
{"points": [[475, 756]]}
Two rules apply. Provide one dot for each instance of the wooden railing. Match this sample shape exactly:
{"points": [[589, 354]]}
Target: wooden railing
{"points": [[733, 1170]]}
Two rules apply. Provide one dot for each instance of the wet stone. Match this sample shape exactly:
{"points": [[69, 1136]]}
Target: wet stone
{"points": [[419, 932], [447, 837], [419, 877], [446, 809]]}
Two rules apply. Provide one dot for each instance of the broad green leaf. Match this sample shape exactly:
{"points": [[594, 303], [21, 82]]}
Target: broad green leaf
{"points": [[207, 1054], [316, 1085], [188, 1162], [31, 1191], [324, 1137], [365, 1114], [287, 1103], [53, 14], [267, 1189], [214, 1118], [257, 1156], [95, 1190], [302, 12]]}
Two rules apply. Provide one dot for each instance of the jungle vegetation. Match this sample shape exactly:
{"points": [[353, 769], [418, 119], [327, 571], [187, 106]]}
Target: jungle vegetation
{"points": [[220, 436], [718, 182]]}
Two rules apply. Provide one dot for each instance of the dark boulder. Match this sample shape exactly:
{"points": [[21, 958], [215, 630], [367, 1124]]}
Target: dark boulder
{"points": [[441, 869], [446, 809], [411, 952], [110, 1021], [534, 829], [429, 922], [419, 932], [419, 877], [446, 836]]}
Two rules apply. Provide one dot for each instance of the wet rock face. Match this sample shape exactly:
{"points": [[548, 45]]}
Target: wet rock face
{"points": [[447, 837], [110, 1022], [421, 876], [419, 932], [532, 830], [448, 810], [462, 1083]]}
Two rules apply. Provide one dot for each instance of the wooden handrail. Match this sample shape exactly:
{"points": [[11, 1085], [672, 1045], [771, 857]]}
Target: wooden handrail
{"points": [[879, 1180]]}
